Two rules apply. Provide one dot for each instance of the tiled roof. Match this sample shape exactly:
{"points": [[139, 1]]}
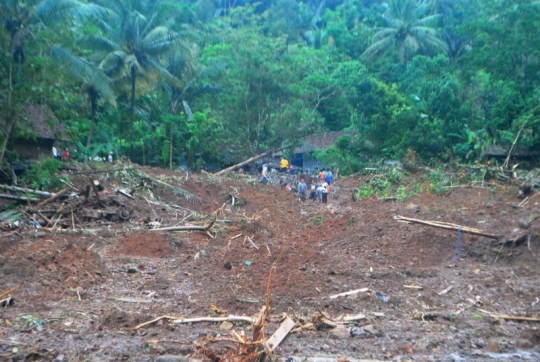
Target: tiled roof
{"points": [[42, 121], [321, 141], [500, 150]]}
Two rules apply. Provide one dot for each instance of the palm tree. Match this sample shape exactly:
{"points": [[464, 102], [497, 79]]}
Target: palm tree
{"points": [[408, 29], [132, 45], [94, 81], [20, 17]]}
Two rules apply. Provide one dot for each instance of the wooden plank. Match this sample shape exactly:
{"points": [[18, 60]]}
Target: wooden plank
{"points": [[279, 335]]}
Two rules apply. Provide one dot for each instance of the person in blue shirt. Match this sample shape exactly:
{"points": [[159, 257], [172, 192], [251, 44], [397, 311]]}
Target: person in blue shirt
{"points": [[302, 189], [328, 177]]}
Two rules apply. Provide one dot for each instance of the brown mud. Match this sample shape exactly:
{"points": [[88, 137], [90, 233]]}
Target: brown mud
{"points": [[83, 291]]}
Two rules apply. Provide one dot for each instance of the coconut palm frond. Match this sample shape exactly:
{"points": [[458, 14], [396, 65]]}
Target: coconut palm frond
{"points": [[113, 60], [167, 76], [52, 11], [379, 47], [106, 28], [98, 42], [411, 44], [438, 43], [423, 31], [408, 28], [92, 76], [167, 44], [157, 33], [149, 23], [383, 33], [427, 19]]}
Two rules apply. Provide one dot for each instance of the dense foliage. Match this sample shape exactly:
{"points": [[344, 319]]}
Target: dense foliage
{"points": [[204, 82]]}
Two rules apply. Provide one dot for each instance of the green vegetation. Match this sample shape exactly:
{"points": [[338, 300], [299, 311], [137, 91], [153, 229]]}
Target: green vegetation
{"points": [[317, 220], [207, 84], [43, 174]]}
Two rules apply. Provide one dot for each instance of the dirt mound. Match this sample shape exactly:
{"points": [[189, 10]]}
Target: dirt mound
{"points": [[55, 264]]}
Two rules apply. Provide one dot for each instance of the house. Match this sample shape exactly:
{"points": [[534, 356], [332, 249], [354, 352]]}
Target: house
{"points": [[501, 152], [36, 133], [302, 155]]}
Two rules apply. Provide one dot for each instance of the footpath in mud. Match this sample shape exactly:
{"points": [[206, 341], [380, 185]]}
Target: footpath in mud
{"points": [[85, 288]]}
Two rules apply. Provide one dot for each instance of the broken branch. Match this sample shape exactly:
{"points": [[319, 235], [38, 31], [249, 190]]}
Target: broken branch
{"points": [[52, 198], [449, 226], [363, 290], [10, 291]]}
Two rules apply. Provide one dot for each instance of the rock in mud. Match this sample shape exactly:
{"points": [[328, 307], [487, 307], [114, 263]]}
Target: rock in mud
{"points": [[132, 270], [413, 207], [524, 224], [171, 358]]}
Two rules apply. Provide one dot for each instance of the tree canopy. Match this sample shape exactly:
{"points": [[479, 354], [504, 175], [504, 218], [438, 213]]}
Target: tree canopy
{"points": [[208, 83]]}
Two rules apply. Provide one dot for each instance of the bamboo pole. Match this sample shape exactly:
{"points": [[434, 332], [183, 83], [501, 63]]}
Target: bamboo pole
{"points": [[449, 226], [21, 189], [18, 198]]}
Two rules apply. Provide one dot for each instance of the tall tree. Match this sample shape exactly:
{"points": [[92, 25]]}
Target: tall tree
{"points": [[132, 45], [408, 28], [94, 80]]}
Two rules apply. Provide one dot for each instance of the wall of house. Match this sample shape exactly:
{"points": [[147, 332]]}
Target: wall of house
{"points": [[30, 149]]}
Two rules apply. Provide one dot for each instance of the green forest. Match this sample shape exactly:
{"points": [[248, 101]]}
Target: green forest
{"points": [[214, 82]]}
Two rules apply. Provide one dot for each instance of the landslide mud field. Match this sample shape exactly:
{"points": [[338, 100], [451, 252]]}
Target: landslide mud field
{"points": [[88, 284]]}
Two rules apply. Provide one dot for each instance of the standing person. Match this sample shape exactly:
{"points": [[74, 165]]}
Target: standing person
{"points": [[324, 187], [292, 170], [313, 190], [320, 190], [322, 176], [264, 174], [55, 152], [329, 177], [283, 165], [110, 157], [65, 156], [302, 189]]}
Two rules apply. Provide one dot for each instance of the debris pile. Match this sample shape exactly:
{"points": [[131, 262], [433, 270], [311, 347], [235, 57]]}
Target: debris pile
{"points": [[131, 197]]}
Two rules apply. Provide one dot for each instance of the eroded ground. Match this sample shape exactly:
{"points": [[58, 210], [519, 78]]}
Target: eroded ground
{"points": [[83, 291]]}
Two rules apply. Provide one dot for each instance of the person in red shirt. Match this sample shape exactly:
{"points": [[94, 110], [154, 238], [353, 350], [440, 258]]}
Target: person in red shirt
{"points": [[65, 156]]}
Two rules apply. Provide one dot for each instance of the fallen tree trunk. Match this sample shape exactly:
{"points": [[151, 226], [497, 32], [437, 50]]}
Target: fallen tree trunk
{"points": [[52, 198], [449, 226], [18, 198], [255, 158], [21, 189]]}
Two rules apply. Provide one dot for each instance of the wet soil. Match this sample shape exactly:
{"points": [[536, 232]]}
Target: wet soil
{"points": [[84, 290]]}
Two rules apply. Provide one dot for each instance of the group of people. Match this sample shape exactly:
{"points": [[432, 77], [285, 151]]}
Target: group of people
{"points": [[320, 182], [318, 190], [65, 155]]}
